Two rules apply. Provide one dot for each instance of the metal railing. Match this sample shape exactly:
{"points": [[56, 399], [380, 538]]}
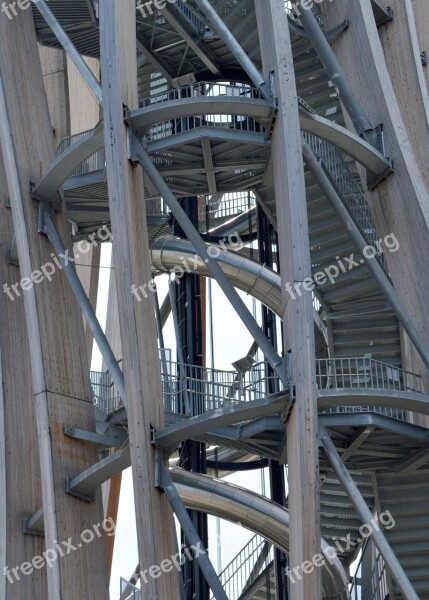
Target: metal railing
{"points": [[191, 389], [165, 129], [203, 88], [350, 190], [194, 390], [104, 394], [232, 204], [193, 19], [128, 591], [364, 373], [252, 560], [96, 162], [374, 587]]}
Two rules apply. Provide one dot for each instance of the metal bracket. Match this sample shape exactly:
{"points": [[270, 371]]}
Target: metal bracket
{"points": [[69, 490], [99, 439], [382, 14], [12, 254], [41, 224]]}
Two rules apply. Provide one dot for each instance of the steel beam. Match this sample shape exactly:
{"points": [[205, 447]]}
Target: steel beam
{"points": [[243, 411], [367, 518], [47, 226], [338, 77], [84, 485], [189, 531]]}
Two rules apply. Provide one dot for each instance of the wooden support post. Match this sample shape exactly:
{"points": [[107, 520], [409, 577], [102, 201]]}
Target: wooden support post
{"points": [[294, 249], [20, 491], [155, 525], [59, 363]]}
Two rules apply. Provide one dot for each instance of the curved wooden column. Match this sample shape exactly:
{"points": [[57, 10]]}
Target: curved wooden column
{"points": [[59, 363], [421, 15], [400, 204], [402, 54]]}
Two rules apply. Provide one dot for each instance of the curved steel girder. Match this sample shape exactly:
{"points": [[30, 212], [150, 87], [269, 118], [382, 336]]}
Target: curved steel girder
{"points": [[143, 118], [412, 401], [241, 411], [260, 515], [62, 167], [67, 162], [348, 142]]}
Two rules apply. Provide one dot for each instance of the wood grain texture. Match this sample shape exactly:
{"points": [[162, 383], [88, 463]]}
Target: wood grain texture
{"points": [[401, 50], [155, 530], [59, 362], [294, 255], [421, 16], [20, 484], [400, 204]]}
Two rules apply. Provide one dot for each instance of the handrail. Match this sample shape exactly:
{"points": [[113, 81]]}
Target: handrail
{"points": [[241, 571], [200, 88], [365, 372], [351, 191], [211, 389], [376, 586]]}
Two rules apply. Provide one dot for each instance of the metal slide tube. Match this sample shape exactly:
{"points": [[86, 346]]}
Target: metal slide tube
{"points": [[337, 76], [194, 237], [191, 533], [227, 37], [85, 306], [256, 513], [69, 47], [365, 514], [251, 277], [379, 275]]}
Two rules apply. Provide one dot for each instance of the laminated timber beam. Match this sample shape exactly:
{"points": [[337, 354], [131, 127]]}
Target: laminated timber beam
{"points": [[154, 519], [294, 258], [56, 337], [19, 488]]}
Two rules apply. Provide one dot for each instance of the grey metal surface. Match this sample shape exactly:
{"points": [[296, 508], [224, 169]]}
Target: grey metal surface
{"points": [[256, 513]]}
